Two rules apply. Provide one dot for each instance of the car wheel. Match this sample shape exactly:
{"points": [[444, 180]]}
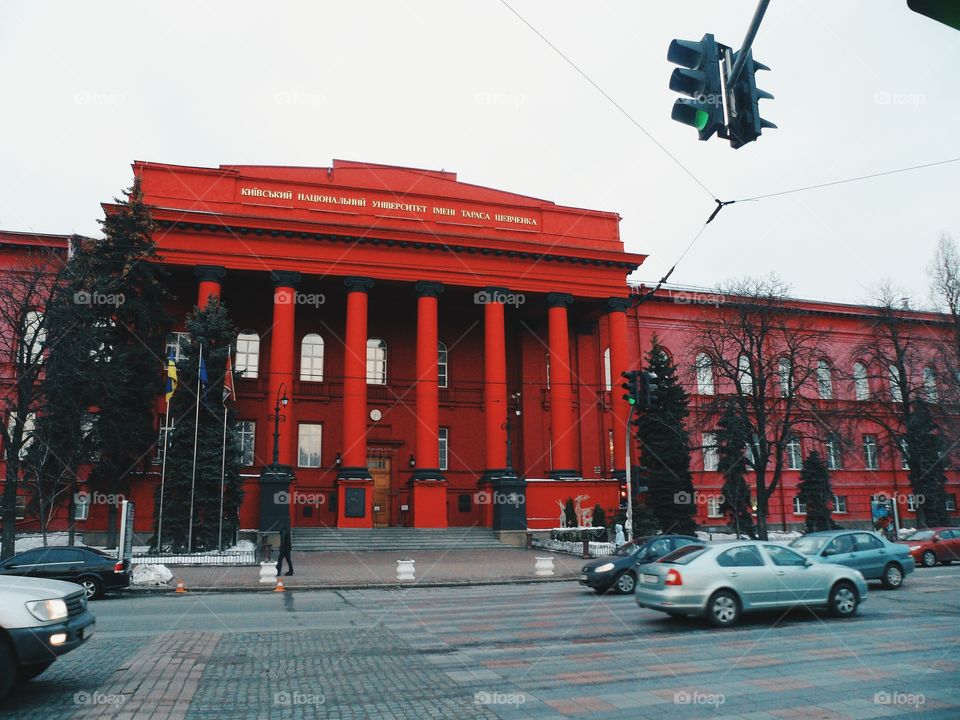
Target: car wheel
{"points": [[723, 609], [929, 559], [29, 672], [626, 583], [91, 586], [843, 600], [8, 668], [892, 577]]}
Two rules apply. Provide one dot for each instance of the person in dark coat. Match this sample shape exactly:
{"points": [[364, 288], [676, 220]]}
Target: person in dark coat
{"points": [[285, 547]]}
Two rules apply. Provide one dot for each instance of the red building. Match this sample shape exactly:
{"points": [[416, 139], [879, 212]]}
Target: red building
{"points": [[443, 346]]}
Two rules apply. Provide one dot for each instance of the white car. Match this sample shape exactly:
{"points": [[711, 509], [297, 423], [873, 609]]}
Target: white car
{"points": [[724, 580], [39, 621]]}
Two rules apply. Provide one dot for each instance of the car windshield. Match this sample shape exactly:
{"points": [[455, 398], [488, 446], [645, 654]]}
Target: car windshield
{"points": [[629, 548], [682, 556], [921, 535], [810, 544]]}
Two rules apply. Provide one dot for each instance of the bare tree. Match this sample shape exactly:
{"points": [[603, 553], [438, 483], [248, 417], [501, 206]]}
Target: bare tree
{"points": [[762, 353], [944, 272], [25, 291]]}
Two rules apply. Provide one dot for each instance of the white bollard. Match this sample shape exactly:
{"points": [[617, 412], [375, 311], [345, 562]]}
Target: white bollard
{"points": [[544, 566], [405, 570], [268, 573]]}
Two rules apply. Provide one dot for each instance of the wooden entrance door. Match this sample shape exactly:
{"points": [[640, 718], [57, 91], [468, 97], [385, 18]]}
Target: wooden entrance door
{"points": [[380, 471]]}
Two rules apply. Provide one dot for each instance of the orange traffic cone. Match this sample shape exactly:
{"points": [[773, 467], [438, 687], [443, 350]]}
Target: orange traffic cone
{"points": [[280, 586], [181, 588]]}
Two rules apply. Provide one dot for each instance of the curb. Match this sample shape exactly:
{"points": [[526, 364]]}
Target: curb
{"points": [[149, 590]]}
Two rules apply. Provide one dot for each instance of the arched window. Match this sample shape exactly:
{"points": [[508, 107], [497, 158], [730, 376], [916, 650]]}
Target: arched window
{"points": [[825, 379], [311, 358], [785, 371], [248, 355], [896, 390], [744, 374], [704, 368], [930, 385], [861, 384], [607, 377], [443, 367], [376, 361]]}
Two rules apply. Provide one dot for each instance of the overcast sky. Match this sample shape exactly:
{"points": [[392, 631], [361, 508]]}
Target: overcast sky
{"points": [[861, 87]]}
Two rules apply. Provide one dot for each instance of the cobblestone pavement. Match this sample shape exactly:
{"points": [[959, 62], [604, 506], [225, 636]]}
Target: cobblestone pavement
{"points": [[522, 651], [341, 569]]}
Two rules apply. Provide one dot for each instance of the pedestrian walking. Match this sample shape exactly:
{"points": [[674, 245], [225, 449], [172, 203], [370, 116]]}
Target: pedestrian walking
{"points": [[285, 547]]}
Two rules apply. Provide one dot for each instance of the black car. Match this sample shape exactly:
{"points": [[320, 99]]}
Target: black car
{"points": [[618, 570], [96, 571]]}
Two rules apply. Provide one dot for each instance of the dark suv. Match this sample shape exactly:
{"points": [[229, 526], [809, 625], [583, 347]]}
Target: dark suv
{"points": [[96, 571]]}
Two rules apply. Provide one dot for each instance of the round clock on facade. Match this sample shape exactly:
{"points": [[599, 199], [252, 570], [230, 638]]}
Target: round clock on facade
{"points": [[375, 415]]}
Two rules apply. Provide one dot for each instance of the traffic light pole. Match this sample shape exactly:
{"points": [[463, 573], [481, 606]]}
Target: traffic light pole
{"points": [[626, 466], [747, 43]]}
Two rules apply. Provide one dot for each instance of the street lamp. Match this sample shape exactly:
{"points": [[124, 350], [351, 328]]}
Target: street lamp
{"points": [[277, 417]]}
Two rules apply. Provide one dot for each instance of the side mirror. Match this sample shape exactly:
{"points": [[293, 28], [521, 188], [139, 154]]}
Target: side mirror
{"points": [[808, 562], [828, 552], [936, 538]]}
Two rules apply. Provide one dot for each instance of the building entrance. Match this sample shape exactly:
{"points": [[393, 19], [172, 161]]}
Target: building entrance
{"points": [[380, 471]]}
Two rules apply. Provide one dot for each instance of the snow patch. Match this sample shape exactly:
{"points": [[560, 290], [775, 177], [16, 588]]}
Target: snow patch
{"points": [[151, 575], [34, 540]]}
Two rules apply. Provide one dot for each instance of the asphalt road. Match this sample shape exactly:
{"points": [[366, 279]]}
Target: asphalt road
{"points": [[519, 651]]}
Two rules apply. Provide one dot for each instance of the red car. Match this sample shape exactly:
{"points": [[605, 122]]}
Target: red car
{"points": [[934, 545]]}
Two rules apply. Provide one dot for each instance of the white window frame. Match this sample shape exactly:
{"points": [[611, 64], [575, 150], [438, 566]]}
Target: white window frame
{"points": [[912, 503], [950, 503], [834, 452], [799, 508], [247, 354], [870, 461], [713, 507], [443, 365], [930, 385], [825, 379], [840, 504], [158, 457], [703, 365], [312, 349], [174, 344], [443, 448], [81, 506], [896, 386], [785, 373], [376, 361], [794, 450], [904, 454], [744, 374], [34, 337], [607, 372], [305, 454], [861, 382], [242, 440], [711, 453]]}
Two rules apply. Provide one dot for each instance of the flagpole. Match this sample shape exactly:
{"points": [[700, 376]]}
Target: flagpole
{"points": [[193, 478], [163, 475], [223, 469]]}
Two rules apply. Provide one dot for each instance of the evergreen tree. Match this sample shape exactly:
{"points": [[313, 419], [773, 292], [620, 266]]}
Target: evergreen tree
{"points": [[644, 522], [120, 287], [665, 447], [570, 514], [925, 456], [599, 516], [733, 438], [210, 329], [814, 490]]}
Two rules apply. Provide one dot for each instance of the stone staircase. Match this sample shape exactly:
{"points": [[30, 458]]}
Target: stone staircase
{"points": [[327, 539]]}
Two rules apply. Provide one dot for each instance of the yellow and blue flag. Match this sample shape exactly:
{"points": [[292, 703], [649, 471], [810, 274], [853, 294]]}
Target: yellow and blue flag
{"points": [[172, 381]]}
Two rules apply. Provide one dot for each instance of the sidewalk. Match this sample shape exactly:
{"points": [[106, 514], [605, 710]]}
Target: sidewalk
{"points": [[333, 570]]}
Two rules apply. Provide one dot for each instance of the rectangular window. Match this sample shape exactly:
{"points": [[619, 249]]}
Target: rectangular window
{"points": [[799, 508], [161, 437], [912, 503], [610, 450], [176, 342], [870, 452], [951, 504], [247, 364], [607, 378], [308, 445], [21, 507], [839, 503], [711, 454], [713, 507], [81, 506], [834, 452], [246, 437], [443, 436], [904, 462], [794, 454], [28, 424]]}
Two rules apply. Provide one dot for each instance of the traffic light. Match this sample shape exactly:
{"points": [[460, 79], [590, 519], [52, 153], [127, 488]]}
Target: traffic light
{"points": [[745, 122], [699, 78], [623, 495], [632, 386], [648, 389]]}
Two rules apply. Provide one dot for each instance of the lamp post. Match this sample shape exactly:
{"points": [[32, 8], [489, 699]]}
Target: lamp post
{"points": [[277, 417]]}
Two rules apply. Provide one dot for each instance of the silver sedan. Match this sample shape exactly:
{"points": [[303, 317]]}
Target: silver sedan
{"points": [[724, 580]]}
